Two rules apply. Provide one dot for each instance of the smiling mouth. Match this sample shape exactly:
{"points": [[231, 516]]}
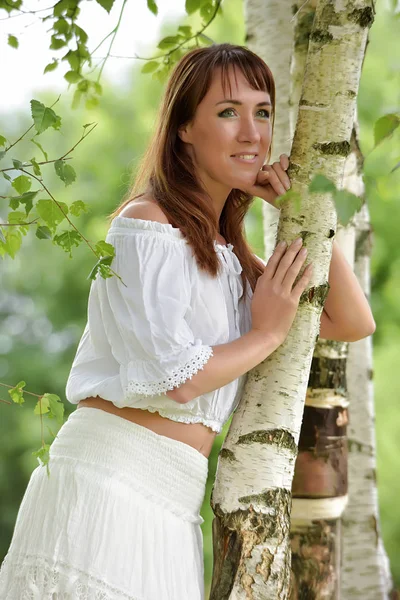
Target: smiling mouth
{"points": [[245, 158]]}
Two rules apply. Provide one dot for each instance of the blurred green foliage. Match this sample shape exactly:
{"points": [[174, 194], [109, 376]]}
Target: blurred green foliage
{"points": [[43, 295]]}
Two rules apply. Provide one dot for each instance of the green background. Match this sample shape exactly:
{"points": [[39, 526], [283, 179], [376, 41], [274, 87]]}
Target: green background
{"points": [[43, 294]]}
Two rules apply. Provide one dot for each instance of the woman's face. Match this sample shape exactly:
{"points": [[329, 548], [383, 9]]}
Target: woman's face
{"points": [[224, 128]]}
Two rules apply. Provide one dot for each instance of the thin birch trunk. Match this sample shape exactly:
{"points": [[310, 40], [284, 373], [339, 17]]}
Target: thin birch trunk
{"points": [[319, 488], [251, 496], [366, 571]]}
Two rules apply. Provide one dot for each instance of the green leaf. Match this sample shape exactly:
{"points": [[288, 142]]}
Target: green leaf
{"points": [[40, 148], [385, 126], [51, 66], [12, 41], [6, 175], [103, 248], [91, 102], [206, 11], [51, 214], [103, 267], [81, 33], [17, 393], [168, 42], [67, 239], [13, 241], [289, 196], [149, 67], [61, 25], [192, 5], [44, 117], [321, 184], [57, 43], [186, 30], [43, 456], [56, 407], [26, 199], [72, 76], [83, 85], [65, 172], [2, 140], [77, 207], [347, 204], [106, 4], [43, 233], [73, 58], [22, 184], [17, 163], [97, 87], [88, 124], [42, 406], [76, 98], [36, 168], [152, 6], [16, 217]]}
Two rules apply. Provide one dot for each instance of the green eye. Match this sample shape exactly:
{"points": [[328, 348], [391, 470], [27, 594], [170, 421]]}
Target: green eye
{"points": [[221, 114]]}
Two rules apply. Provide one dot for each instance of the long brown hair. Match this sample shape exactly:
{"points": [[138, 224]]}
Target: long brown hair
{"points": [[166, 171]]}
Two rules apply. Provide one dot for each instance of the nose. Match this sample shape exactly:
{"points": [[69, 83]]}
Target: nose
{"points": [[249, 132]]}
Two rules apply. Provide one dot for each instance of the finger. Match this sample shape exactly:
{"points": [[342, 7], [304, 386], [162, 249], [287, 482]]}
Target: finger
{"points": [[275, 180], [274, 260], [287, 261], [294, 270], [283, 178], [284, 160], [303, 282]]}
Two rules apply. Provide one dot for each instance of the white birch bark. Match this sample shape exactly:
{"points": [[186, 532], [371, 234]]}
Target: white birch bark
{"points": [[251, 495], [366, 571], [319, 488]]}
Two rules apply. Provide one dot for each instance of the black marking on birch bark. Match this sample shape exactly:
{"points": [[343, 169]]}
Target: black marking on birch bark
{"points": [[364, 17], [249, 37], [371, 475], [363, 244], [277, 437], [315, 295], [370, 373], [303, 28], [331, 233], [279, 499], [334, 148], [355, 446], [328, 373], [227, 454], [318, 104], [321, 37]]}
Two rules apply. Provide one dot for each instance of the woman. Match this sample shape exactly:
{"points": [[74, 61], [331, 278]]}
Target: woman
{"points": [[161, 363]]}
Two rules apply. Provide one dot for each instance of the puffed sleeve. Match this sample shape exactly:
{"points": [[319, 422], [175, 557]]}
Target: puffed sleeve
{"points": [[144, 315]]}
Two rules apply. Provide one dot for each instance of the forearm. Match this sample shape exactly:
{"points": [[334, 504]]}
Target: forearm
{"points": [[346, 304], [229, 361]]}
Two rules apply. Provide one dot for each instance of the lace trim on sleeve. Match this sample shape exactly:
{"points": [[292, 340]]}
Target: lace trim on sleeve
{"points": [[154, 388]]}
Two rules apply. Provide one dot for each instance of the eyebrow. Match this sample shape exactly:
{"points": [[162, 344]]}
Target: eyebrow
{"points": [[266, 103]]}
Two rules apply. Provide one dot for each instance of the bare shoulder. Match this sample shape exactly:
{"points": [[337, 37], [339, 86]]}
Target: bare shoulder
{"points": [[145, 208]]}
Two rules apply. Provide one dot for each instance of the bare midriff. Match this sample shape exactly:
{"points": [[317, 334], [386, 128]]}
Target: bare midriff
{"points": [[197, 435]]}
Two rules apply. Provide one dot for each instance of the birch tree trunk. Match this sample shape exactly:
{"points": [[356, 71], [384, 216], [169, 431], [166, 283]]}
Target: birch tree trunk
{"points": [[251, 496], [366, 571], [319, 488]]}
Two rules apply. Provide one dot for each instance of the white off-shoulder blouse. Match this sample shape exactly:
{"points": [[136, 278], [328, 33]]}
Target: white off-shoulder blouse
{"points": [[156, 328]]}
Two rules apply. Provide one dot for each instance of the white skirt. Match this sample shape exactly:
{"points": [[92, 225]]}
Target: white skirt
{"points": [[118, 518]]}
